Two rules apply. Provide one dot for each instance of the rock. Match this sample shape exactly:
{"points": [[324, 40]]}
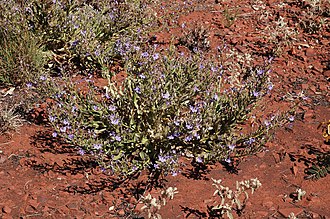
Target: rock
{"points": [[310, 52], [6, 209], [72, 206], [262, 214], [287, 211], [34, 203], [326, 74], [30, 209], [304, 86], [121, 213], [268, 204], [317, 67], [261, 154]]}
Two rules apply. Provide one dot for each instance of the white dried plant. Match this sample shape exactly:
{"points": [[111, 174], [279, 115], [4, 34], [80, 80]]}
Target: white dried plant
{"points": [[232, 199], [152, 205]]}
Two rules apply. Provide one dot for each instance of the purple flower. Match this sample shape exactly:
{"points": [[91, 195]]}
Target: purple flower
{"points": [[251, 141], [291, 118], [136, 48], [156, 166], [52, 118], [114, 120], [166, 95], [177, 123], [155, 56], [97, 146], [255, 93], [214, 69], [142, 76], [193, 109], [70, 136], [188, 126], [74, 43], [137, 90], [188, 138], [117, 138], [199, 160], [63, 129], [112, 108], [161, 159], [54, 134], [29, 85], [95, 108], [228, 160], [260, 71], [81, 152], [270, 87], [215, 97], [43, 78], [66, 122], [267, 123], [197, 136], [231, 146], [171, 137], [145, 54], [74, 109], [270, 59]]}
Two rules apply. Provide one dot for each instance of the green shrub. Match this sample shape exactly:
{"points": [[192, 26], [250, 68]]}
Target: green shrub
{"points": [[88, 34], [169, 105], [21, 57]]}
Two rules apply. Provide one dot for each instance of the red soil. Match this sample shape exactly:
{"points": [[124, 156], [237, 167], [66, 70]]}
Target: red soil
{"points": [[41, 178]]}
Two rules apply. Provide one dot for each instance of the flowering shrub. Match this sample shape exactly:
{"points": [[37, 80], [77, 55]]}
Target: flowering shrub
{"points": [[84, 34], [55, 34], [168, 105]]}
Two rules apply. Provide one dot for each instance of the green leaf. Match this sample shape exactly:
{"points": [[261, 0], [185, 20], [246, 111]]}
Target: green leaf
{"points": [[144, 140]]}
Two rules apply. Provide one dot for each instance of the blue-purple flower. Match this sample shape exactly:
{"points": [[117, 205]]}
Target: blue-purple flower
{"points": [[81, 151], [137, 90], [52, 118], [188, 126], [199, 160], [97, 146], [291, 118], [155, 56], [117, 138], [29, 84], [255, 93], [70, 136], [231, 147], [166, 95], [193, 109], [63, 129], [188, 138], [112, 108], [145, 54], [114, 120]]}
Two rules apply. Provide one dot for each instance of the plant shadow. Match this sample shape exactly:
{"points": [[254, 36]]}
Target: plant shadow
{"points": [[60, 158], [198, 171]]}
